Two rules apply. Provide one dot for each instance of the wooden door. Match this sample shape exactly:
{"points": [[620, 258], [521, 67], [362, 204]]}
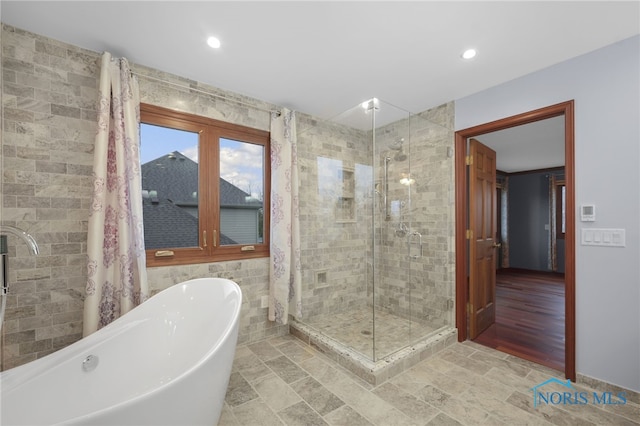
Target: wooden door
{"points": [[482, 237]]}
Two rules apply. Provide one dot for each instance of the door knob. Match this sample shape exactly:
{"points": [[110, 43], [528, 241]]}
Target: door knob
{"points": [[496, 245]]}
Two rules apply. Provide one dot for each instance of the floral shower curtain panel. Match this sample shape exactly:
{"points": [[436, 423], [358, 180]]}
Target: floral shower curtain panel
{"points": [[285, 275], [117, 277]]}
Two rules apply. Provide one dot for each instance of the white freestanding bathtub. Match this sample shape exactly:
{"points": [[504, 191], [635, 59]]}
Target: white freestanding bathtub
{"points": [[167, 362]]}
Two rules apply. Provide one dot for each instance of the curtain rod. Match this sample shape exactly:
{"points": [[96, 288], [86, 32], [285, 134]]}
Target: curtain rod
{"points": [[205, 92]]}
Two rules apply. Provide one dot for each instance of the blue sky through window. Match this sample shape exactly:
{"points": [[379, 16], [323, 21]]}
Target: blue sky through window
{"points": [[241, 163]]}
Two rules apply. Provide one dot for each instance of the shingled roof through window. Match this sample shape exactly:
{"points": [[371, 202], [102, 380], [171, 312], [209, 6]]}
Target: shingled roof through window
{"points": [[175, 177], [167, 217]]}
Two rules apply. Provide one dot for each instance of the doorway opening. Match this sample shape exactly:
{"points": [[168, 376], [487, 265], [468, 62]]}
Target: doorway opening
{"points": [[472, 251]]}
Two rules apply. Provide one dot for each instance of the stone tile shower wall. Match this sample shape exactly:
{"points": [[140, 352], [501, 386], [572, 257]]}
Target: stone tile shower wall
{"points": [[420, 289], [49, 93], [334, 256]]}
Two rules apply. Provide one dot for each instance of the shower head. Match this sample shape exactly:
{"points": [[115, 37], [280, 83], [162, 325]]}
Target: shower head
{"points": [[397, 146], [400, 156]]}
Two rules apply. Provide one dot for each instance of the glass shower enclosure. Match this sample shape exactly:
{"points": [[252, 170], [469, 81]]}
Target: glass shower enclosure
{"points": [[376, 214]]}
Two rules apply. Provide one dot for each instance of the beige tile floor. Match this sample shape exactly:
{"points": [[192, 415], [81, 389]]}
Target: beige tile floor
{"points": [[281, 381], [356, 327]]}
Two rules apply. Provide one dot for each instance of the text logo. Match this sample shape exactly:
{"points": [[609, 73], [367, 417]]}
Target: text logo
{"points": [[571, 396]]}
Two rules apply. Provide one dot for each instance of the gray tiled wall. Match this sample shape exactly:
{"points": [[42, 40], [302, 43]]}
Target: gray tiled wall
{"points": [[49, 92], [333, 253], [421, 288]]}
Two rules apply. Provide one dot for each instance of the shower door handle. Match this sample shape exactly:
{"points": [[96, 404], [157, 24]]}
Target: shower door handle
{"points": [[411, 242]]}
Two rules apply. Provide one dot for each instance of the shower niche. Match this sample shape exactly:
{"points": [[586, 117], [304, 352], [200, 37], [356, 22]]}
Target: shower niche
{"points": [[376, 180], [345, 202]]}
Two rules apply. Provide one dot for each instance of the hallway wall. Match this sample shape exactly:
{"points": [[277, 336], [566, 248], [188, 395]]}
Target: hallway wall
{"points": [[606, 90]]}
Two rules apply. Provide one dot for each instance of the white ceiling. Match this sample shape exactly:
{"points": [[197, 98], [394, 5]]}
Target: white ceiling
{"points": [[325, 57], [533, 146]]}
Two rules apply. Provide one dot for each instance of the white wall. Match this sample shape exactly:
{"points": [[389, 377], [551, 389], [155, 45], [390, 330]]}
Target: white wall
{"points": [[605, 85]]}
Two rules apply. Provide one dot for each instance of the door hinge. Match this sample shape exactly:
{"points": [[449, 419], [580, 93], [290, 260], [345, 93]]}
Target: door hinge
{"points": [[469, 234], [468, 160]]}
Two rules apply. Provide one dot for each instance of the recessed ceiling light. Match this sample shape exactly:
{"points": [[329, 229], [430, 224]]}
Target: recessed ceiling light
{"points": [[469, 54], [213, 42]]}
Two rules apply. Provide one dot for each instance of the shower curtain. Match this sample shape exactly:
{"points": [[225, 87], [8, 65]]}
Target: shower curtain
{"points": [[116, 265], [285, 275]]}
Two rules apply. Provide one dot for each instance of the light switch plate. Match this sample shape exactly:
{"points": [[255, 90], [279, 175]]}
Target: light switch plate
{"points": [[603, 237]]}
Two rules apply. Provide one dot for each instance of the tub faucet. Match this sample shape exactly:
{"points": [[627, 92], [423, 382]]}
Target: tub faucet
{"points": [[27, 238], [4, 252]]}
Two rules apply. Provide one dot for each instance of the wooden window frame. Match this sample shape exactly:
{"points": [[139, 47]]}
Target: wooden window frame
{"points": [[209, 249]]}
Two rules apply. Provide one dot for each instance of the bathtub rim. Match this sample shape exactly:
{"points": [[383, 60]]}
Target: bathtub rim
{"points": [[24, 374]]}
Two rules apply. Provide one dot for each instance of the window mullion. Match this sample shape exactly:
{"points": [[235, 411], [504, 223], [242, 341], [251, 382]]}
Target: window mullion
{"points": [[213, 184]]}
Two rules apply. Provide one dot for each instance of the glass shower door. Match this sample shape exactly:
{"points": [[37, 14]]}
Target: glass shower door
{"points": [[392, 302], [375, 228]]}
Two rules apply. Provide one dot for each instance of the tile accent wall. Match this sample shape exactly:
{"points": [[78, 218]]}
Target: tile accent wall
{"points": [[335, 267], [49, 93]]}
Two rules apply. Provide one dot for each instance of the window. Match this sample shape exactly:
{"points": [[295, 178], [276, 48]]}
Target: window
{"points": [[561, 209], [205, 186]]}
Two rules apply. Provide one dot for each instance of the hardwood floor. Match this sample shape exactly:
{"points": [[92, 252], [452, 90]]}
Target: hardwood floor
{"points": [[530, 317]]}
